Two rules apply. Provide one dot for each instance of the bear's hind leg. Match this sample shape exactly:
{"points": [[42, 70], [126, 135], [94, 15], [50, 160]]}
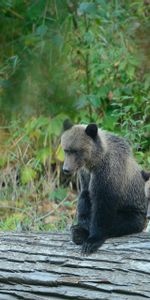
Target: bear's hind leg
{"points": [[127, 222]]}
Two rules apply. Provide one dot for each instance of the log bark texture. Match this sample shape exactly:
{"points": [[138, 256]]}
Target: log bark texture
{"points": [[43, 266]]}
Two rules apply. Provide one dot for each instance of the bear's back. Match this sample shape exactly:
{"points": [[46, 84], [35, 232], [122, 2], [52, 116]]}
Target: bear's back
{"points": [[122, 173]]}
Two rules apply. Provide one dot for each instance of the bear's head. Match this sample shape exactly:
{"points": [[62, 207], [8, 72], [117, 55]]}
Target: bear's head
{"points": [[80, 143]]}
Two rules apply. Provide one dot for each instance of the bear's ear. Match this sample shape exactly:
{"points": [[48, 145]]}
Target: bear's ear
{"points": [[92, 130], [67, 124]]}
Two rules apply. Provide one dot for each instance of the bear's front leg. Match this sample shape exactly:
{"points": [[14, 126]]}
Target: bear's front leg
{"points": [[96, 231], [97, 234], [80, 232], [92, 244], [102, 215]]}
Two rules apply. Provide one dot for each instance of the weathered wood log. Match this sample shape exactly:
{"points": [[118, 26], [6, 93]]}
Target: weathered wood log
{"points": [[43, 266]]}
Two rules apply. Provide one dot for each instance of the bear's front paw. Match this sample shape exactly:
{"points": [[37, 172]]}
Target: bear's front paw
{"points": [[91, 245], [79, 234]]}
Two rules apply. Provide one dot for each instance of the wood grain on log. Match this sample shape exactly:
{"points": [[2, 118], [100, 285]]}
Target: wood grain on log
{"points": [[43, 266]]}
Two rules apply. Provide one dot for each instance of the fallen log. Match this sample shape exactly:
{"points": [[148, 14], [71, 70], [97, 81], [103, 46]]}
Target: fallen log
{"points": [[45, 266]]}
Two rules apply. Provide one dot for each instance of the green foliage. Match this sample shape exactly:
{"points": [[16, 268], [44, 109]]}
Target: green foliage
{"points": [[113, 74], [35, 75], [27, 174], [35, 146], [58, 194], [11, 222]]}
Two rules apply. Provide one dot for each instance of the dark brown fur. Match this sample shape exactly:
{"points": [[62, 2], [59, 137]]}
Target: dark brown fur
{"points": [[112, 200]]}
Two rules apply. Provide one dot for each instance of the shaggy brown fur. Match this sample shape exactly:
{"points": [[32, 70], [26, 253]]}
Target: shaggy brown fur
{"points": [[112, 200]]}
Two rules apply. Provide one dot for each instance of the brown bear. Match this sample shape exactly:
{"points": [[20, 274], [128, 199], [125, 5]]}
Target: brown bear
{"points": [[112, 201]]}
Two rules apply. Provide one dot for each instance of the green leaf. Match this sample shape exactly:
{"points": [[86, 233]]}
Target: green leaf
{"points": [[58, 194], [94, 100], [89, 37], [87, 8], [44, 154], [27, 174], [109, 121], [60, 153], [82, 102], [41, 30], [58, 40], [3, 161], [140, 156], [68, 204], [5, 83], [130, 71], [36, 123], [56, 124]]}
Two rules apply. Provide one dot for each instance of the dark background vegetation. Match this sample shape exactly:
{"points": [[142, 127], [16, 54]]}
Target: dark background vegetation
{"points": [[87, 60]]}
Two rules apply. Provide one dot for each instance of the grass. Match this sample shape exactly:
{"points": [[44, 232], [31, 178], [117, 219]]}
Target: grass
{"points": [[32, 198]]}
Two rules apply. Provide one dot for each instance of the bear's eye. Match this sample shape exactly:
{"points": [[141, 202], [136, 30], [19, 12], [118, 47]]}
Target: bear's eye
{"points": [[70, 151]]}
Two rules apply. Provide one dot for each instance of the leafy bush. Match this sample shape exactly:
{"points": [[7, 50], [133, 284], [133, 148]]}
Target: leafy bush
{"points": [[31, 177]]}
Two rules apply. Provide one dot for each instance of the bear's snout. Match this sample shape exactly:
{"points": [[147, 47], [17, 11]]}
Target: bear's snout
{"points": [[66, 171]]}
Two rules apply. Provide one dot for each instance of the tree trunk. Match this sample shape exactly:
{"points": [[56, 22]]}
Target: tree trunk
{"points": [[42, 266]]}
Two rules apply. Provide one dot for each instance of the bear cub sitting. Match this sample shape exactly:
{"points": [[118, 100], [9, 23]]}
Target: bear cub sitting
{"points": [[112, 201]]}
